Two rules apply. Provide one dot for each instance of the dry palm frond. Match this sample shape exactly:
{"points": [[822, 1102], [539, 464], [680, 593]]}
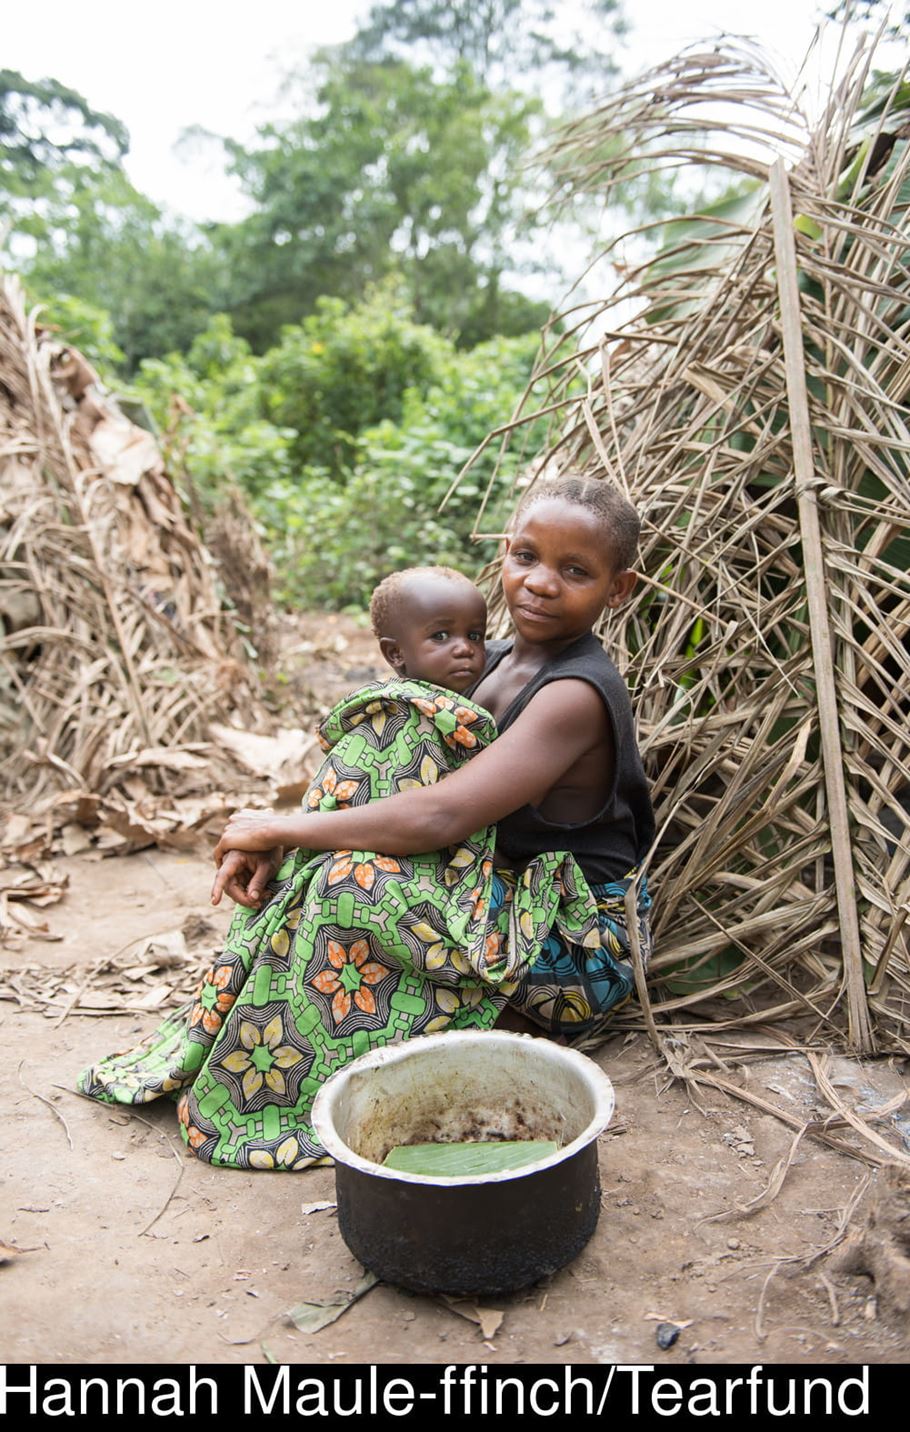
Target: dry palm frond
{"points": [[113, 644], [768, 648]]}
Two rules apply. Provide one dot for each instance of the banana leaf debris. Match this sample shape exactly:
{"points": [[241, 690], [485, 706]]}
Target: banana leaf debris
{"points": [[126, 685]]}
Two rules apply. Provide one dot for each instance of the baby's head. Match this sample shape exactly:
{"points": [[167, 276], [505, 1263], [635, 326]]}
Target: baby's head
{"points": [[430, 623]]}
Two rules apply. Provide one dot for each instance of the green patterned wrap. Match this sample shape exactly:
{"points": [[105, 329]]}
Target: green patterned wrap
{"points": [[353, 950]]}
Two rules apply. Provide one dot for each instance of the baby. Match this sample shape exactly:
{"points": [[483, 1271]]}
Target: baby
{"points": [[430, 623]]}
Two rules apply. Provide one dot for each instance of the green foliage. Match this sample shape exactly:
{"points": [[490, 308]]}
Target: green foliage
{"points": [[346, 438], [333, 542], [344, 369], [80, 231], [408, 158], [390, 170], [76, 226], [86, 327], [48, 135], [116, 250], [874, 13], [216, 428], [526, 38]]}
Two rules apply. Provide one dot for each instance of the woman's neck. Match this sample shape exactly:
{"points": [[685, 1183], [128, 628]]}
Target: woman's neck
{"points": [[513, 671], [534, 654]]}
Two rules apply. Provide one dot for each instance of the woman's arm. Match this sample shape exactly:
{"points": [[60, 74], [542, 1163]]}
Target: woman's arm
{"points": [[559, 725]]}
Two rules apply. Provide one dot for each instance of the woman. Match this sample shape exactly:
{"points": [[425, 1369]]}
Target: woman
{"points": [[354, 949]]}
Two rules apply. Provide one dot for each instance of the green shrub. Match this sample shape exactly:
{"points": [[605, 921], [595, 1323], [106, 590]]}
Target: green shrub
{"points": [[333, 541], [346, 438], [86, 327], [343, 369]]}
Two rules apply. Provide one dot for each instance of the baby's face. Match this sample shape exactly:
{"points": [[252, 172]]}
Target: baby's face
{"points": [[441, 633]]}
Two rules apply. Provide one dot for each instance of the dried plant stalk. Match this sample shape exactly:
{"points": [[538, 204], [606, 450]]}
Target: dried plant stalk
{"points": [[113, 638]]}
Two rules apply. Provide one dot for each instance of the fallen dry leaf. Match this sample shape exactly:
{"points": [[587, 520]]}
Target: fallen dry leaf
{"points": [[164, 951], [123, 451], [487, 1319], [94, 990], [16, 830], [82, 805], [154, 999], [34, 881], [196, 928], [74, 839], [32, 923], [174, 758], [309, 1317], [260, 754]]}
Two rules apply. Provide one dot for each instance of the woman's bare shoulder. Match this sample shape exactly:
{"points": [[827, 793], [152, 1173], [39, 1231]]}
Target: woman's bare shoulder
{"points": [[569, 704], [560, 725]]}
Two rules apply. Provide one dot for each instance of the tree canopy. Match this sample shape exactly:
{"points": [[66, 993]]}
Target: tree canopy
{"points": [[49, 132], [407, 156], [504, 42], [391, 169]]}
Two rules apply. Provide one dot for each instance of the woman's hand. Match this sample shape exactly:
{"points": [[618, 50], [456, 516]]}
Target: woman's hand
{"points": [[249, 830], [243, 875]]}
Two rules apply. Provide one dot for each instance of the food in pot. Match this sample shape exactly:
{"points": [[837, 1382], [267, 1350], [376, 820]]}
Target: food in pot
{"points": [[465, 1159]]}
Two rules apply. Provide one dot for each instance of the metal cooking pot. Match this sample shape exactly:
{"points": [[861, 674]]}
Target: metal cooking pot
{"points": [[487, 1233]]}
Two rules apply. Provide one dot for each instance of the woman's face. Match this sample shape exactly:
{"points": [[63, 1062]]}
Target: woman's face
{"points": [[559, 572]]}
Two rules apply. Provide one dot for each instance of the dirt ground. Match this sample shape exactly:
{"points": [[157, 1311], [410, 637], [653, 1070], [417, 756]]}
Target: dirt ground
{"points": [[213, 1277], [130, 1250]]}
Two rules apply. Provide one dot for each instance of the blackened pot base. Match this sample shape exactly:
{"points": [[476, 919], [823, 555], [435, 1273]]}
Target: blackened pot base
{"points": [[483, 1240], [486, 1234]]}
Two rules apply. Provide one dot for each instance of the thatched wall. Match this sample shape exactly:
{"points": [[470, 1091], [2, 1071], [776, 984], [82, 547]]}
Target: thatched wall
{"points": [[734, 670], [115, 651]]}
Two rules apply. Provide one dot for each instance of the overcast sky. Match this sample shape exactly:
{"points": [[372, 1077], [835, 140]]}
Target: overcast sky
{"points": [[218, 63]]}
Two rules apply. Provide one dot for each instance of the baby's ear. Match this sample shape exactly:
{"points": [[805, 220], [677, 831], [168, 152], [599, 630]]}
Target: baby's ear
{"points": [[624, 584], [392, 653]]}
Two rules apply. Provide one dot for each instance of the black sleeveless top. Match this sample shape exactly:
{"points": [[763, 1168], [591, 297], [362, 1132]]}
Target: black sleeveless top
{"points": [[613, 841]]}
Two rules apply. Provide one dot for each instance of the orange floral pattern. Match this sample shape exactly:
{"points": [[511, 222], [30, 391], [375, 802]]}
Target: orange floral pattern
{"points": [[364, 871], [194, 1137], [350, 978], [212, 1000], [331, 794]]}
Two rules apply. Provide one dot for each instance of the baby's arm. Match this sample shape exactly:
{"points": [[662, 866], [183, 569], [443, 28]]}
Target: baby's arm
{"points": [[564, 721]]}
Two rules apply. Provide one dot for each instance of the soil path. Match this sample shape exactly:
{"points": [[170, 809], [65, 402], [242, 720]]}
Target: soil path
{"points": [[132, 1251]]}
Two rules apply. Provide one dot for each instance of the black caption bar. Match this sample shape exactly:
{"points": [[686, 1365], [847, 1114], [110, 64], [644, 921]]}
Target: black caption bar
{"points": [[652, 1397]]}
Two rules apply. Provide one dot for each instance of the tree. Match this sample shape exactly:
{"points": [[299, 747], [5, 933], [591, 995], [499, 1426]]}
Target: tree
{"points": [[49, 135], [504, 42], [86, 240], [345, 438], [111, 247], [895, 15], [393, 169]]}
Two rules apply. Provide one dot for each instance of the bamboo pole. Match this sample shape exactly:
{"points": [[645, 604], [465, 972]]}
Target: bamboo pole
{"points": [[859, 1024]]}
